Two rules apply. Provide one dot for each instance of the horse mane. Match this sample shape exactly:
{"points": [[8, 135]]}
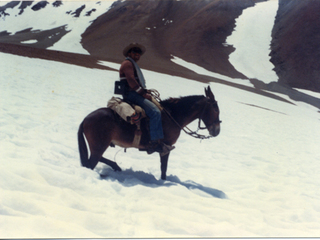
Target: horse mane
{"points": [[181, 105]]}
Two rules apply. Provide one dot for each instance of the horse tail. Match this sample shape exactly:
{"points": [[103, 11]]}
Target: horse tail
{"points": [[82, 147]]}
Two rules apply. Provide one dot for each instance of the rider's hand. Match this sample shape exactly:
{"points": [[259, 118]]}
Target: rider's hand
{"points": [[147, 96]]}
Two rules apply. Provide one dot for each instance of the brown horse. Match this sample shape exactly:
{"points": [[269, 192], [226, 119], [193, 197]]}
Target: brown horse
{"points": [[103, 128]]}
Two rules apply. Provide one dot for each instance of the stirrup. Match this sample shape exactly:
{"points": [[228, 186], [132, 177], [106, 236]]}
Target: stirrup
{"points": [[166, 149], [159, 147]]}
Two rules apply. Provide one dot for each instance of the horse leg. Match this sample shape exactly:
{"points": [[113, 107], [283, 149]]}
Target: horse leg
{"points": [[112, 164], [93, 160], [164, 164], [96, 154]]}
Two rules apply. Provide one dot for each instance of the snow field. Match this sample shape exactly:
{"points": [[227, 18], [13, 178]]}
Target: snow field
{"points": [[257, 178], [252, 42]]}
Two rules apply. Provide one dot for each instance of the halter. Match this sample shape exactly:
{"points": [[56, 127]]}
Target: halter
{"points": [[187, 130], [195, 134], [203, 110]]}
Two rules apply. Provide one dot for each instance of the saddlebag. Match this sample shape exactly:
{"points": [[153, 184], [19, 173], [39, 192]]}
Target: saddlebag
{"points": [[123, 109]]}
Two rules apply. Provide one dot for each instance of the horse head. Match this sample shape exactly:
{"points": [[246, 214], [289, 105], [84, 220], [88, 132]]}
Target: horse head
{"points": [[210, 115]]}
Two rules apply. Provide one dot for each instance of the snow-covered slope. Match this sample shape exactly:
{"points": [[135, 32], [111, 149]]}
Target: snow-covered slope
{"points": [[75, 15], [252, 38], [257, 178]]}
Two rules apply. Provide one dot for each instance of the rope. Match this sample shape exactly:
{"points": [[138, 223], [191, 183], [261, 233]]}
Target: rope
{"points": [[187, 130], [154, 93]]}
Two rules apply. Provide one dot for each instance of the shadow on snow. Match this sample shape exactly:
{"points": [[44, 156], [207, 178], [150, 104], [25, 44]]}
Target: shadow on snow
{"points": [[130, 178]]}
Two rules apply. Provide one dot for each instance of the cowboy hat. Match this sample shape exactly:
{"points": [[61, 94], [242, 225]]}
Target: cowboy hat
{"points": [[133, 45]]}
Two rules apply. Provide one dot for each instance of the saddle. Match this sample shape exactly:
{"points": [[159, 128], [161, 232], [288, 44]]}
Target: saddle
{"points": [[130, 113]]}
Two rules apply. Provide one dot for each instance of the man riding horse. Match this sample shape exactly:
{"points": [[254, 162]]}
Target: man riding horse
{"points": [[137, 93]]}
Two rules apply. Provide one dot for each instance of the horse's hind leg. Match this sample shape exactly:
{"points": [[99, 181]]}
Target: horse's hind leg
{"points": [[96, 154], [97, 151], [96, 157], [112, 164], [93, 160]]}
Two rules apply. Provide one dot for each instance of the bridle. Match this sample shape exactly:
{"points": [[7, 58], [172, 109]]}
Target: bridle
{"points": [[188, 131], [154, 93]]}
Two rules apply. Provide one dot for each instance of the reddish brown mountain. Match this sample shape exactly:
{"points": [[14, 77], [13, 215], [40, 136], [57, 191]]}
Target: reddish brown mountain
{"points": [[192, 30], [296, 43]]}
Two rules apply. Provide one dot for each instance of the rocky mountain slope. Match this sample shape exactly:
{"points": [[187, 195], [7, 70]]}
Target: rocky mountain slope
{"points": [[195, 31], [296, 43]]}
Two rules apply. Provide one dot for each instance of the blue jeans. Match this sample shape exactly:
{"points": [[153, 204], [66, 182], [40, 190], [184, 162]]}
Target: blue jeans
{"points": [[152, 111]]}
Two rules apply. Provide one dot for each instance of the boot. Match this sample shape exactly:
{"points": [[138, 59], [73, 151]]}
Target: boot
{"points": [[154, 146]]}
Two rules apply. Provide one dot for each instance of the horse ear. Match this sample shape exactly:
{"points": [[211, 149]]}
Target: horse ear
{"points": [[209, 93], [206, 91]]}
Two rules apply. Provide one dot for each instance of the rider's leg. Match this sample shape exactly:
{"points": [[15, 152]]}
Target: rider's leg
{"points": [[152, 111], [156, 130]]}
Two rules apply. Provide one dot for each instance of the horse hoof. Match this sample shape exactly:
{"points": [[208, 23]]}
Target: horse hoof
{"points": [[117, 169]]}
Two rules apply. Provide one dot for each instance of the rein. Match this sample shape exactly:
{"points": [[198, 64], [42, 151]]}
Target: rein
{"points": [[154, 93]]}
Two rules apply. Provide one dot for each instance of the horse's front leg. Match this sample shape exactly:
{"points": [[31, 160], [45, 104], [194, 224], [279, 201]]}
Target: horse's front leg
{"points": [[164, 164]]}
